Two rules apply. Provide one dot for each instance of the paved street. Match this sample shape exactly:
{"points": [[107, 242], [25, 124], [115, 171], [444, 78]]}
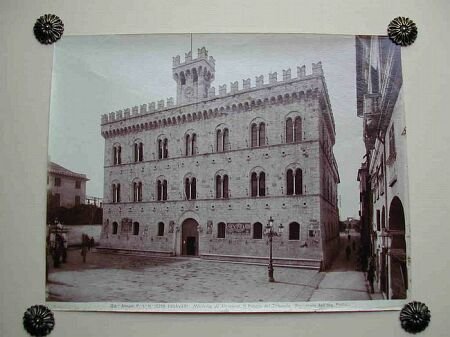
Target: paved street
{"points": [[119, 278]]}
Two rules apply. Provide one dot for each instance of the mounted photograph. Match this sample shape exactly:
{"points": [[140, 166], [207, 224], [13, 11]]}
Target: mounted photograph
{"points": [[227, 173]]}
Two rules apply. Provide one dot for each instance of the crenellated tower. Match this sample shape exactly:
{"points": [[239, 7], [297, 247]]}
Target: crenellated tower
{"points": [[193, 76]]}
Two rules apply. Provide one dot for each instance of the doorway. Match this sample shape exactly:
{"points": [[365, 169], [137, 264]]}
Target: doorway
{"points": [[189, 237]]}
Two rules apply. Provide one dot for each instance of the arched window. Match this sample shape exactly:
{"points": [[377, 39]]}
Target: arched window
{"points": [[218, 187], [294, 182], [289, 131], [137, 191], [164, 190], [135, 228], [161, 229], [138, 151], [254, 184], [165, 148], [159, 190], [194, 188], [188, 142], [187, 188], [262, 184], [117, 155], [257, 230], [115, 226], [289, 182], [262, 134], [221, 230], [160, 149], [298, 182], [298, 129], [141, 152], [254, 135], [194, 144], [226, 140], [294, 231], [225, 186], [116, 192], [219, 139], [190, 188]]}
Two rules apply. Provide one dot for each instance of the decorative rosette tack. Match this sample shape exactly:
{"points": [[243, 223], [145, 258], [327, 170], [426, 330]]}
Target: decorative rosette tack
{"points": [[402, 31], [38, 320], [415, 317], [48, 29]]}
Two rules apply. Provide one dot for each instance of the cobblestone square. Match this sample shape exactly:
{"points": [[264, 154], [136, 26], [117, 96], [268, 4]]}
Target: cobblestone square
{"points": [[122, 278]]}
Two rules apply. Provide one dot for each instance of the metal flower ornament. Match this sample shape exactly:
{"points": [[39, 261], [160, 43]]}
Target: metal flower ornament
{"points": [[415, 317], [38, 320], [402, 31], [48, 29]]}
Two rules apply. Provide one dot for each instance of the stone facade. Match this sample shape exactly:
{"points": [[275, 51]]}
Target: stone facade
{"points": [[384, 176], [178, 177]]}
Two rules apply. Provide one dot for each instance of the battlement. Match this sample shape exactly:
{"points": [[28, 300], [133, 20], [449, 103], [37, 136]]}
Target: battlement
{"points": [[259, 81], [138, 110], [211, 94], [202, 54]]}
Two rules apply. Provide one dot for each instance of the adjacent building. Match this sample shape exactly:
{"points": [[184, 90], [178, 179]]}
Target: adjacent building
{"points": [[383, 174], [202, 176], [67, 188]]}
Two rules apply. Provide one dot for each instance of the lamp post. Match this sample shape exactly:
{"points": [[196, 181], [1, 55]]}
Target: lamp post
{"points": [[271, 232]]}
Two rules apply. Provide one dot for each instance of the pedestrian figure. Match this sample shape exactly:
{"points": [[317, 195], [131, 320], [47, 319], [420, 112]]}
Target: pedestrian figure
{"points": [[348, 251], [64, 248], [84, 247], [349, 237], [92, 242], [57, 251]]}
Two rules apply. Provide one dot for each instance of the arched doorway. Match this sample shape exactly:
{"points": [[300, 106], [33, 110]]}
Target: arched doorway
{"points": [[189, 237], [398, 268]]}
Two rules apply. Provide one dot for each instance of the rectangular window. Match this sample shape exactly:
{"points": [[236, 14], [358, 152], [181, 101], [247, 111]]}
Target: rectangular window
{"points": [[78, 184], [77, 200], [161, 229], [378, 219], [392, 152], [57, 181]]}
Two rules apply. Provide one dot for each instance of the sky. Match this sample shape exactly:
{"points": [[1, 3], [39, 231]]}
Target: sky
{"points": [[94, 75]]}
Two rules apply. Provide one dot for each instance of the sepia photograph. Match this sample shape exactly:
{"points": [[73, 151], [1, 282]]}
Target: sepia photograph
{"points": [[250, 172]]}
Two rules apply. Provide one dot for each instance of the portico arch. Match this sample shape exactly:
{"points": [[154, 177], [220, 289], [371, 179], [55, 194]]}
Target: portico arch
{"points": [[398, 267]]}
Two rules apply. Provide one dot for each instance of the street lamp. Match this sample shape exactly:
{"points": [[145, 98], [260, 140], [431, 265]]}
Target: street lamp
{"points": [[271, 232]]}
